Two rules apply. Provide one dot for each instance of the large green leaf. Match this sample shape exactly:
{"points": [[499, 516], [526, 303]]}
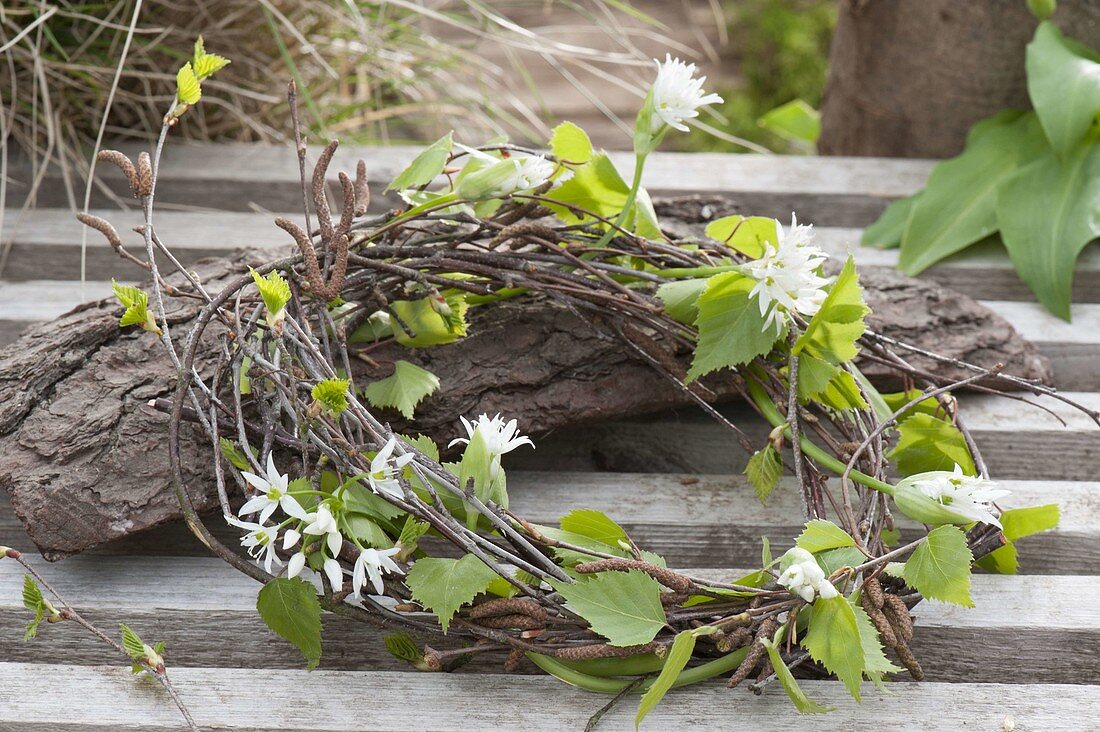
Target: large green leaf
{"points": [[748, 235], [403, 389], [444, 585], [570, 144], [731, 328], [833, 640], [763, 471], [1048, 212], [1018, 523], [680, 296], [958, 205], [624, 607], [1063, 81], [677, 658], [886, 232], [820, 535], [597, 187], [940, 567], [425, 167], [796, 120], [928, 443], [595, 525], [838, 323], [290, 608]]}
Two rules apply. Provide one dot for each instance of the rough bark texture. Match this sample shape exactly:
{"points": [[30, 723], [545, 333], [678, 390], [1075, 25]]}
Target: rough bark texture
{"points": [[907, 78], [84, 459]]}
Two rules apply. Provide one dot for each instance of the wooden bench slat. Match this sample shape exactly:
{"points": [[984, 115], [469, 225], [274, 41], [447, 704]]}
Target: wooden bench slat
{"points": [[53, 237], [687, 519], [333, 701], [205, 611]]}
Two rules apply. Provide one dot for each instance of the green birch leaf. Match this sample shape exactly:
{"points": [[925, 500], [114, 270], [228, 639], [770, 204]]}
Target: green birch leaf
{"points": [[424, 444], [33, 601], [842, 392], [886, 232], [595, 525], [206, 64], [679, 298], [731, 328], [928, 443], [1018, 523], [570, 144], [814, 377], [763, 471], [188, 90], [624, 607], [838, 324], [132, 642], [833, 640], [748, 235], [233, 454], [1063, 81], [332, 394], [678, 656], [274, 291], [444, 585], [291, 609], [940, 567], [831, 560], [1048, 211], [802, 703], [426, 166], [958, 205], [820, 535], [404, 389]]}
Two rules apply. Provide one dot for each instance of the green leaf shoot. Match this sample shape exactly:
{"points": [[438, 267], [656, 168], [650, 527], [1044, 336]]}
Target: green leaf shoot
{"points": [[678, 656], [802, 703], [332, 394], [188, 89]]}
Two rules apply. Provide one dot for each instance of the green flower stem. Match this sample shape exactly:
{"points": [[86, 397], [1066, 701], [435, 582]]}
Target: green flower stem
{"points": [[678, 272], [631, 196], [771, 413], [636, 665], [601, 685]]}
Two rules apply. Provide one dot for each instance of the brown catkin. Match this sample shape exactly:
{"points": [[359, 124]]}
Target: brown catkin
{"points": [[756, 652], [522, 230], [603, 650], [124, 164], [504, 622], [515, 658], [889, 638], [905, 655], [362, 189], [898, 615], [103, 227], [320, 200], [872, 589], [668, 578], [144, 176], [507, 606]]}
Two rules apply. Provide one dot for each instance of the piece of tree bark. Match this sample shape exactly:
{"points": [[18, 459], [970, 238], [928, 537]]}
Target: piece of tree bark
{"points": [[907, 78], [84, 458]]}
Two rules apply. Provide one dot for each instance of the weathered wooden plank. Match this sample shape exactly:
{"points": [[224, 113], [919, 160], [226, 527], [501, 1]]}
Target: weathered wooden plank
{"points": [[204, 611], [689, 520], [834, 191], [1019, 441], [333, 701], [48, 240]]}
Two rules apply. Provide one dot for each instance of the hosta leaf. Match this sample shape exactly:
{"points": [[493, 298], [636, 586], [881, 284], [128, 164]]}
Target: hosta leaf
{"points": [[624, 607], [290, 608], [958, 205], [838, 324], [188, 90], [748, 235], [940, 567], [678, 656], [763, 471], [426, 166], [1048, 211], [886, 232], [1063, 81], [802, 703], [570, 144], [445, 585], [731, 328], [820, 535], [404, 389], [595, 525], [332, 394], [833, 640], [928, 443]]}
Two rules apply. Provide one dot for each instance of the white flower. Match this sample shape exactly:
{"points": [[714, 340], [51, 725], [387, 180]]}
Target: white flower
{"points": [[804, 577], [382, 476], [260, 540], [295, 565], [528, 172], [677, 95], [323, 523], [334, 573], [373, 563], [272, 493], [500, 437], [786, 275], [963, 494]]}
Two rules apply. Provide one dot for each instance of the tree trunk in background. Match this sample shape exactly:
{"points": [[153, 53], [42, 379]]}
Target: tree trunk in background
{"points": [[907, 78]]}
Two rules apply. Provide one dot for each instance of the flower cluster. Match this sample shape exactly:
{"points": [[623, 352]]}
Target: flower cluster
{"points": [[500, 437], [677, 94], [787, 275], [803, 576], [499, 178], [967, 495]]}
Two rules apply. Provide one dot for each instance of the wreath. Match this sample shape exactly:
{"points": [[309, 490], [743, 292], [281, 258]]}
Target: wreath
{"points": [[338, 512]]}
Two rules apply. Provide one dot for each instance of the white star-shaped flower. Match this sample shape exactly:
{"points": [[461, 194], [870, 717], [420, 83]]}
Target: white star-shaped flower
{"points": [[323, 523], [500, 437], [804, 577], [272, 493], [373, 563], [528, 172], [787, 278], [967, 495], [677, 94], [382, 477], [259, 541]]}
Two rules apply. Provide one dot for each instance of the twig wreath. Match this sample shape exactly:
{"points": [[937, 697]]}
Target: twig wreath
{"points": [[266, 374]]}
